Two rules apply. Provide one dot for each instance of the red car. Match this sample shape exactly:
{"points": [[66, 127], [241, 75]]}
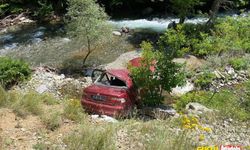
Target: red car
{"points": [[112, 93]]}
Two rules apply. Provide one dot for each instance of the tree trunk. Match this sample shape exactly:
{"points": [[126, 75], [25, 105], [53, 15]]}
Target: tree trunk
{"points": [[182, 20], [214, 10], [89, 51]]}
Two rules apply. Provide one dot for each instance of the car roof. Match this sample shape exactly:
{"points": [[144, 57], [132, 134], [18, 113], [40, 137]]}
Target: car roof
{"points": [[122, 74]]}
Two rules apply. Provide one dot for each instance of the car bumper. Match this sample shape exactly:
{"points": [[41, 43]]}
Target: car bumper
{"points": [[103, 109]]}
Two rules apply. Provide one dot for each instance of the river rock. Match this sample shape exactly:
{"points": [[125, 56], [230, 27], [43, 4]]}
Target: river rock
{"points": [[181, 90], [117, 33]]}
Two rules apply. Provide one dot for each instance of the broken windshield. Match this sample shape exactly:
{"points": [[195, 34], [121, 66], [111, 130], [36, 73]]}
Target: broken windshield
{"points": [[110, 80]]}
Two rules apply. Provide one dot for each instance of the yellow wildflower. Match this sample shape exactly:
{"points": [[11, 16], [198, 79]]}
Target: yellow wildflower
{"points": [[207, 129], [201, 137]]}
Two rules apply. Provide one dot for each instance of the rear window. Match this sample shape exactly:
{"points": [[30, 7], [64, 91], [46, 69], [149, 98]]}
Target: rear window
{"points": [[109, 80]]}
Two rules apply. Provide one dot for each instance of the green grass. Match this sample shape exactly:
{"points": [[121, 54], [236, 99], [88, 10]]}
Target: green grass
{"points": [[129, 134], [30, 103], [27, 103], [231, 102], [73, 110], [52, 120], [92, 137]]}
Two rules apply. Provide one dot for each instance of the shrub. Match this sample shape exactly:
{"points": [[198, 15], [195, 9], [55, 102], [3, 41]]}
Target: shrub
{"points": [[226, 35], [164, 76], [73, 110], [204, 80], [239, 63], [13, 71]]}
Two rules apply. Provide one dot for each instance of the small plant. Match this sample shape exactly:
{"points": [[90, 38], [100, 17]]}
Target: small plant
{"points": [[204, 80], [40, 146], [239, 63], [73, 110], [52, 120], [29, 103], [92, 137], [71, 90], [3, 97], [49, 99], [13, 71]]}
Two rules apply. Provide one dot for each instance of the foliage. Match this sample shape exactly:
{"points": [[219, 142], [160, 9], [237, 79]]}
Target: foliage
{"points": [[226, 35], [73, 110], [204, 80], [3, 8], [44, 9], [239, 63], [184, 7], [13, 71], [156, 73], [230, 102], [87, 21]]}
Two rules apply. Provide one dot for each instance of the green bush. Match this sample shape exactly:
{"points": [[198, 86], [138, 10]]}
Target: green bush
{"points": [[165, 76], [239, 63], [13, 71], [228, 34], [204, 80]]}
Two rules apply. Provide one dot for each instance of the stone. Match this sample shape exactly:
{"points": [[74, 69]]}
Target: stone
{"points": [[42, 88], [229, 70], [197, 108], [104, 118], [117, 33], [179, 91]]}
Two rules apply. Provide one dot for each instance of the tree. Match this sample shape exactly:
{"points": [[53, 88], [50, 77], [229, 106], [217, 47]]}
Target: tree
{"points": [[87, 21], [151, 82], [184, 7]]}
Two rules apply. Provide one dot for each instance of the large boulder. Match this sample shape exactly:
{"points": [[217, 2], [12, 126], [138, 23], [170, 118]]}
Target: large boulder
{"points": [[197, 108]]}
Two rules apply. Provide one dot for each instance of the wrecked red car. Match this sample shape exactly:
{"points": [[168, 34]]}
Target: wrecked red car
{"points": [[112, 93]]}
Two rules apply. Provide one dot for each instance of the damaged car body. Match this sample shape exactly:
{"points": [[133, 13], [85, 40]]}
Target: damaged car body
{"points": [[112, 93]]}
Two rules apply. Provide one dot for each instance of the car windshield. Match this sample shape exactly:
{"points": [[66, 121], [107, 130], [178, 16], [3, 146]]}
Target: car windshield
{"points": [[109, 80]]}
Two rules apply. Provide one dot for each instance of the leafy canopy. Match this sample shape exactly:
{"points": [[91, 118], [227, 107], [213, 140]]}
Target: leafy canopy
{"points": [[87, 21], [157, 73]]}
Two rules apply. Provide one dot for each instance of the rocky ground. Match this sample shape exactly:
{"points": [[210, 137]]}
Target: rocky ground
{"points": [[23, 133], [46, 80]]}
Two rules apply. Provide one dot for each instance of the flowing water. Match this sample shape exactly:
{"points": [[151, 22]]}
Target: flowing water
{"points": [[42, 38]]}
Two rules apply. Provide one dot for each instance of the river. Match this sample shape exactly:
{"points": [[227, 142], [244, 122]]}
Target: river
{"points": [[30, 37]]}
